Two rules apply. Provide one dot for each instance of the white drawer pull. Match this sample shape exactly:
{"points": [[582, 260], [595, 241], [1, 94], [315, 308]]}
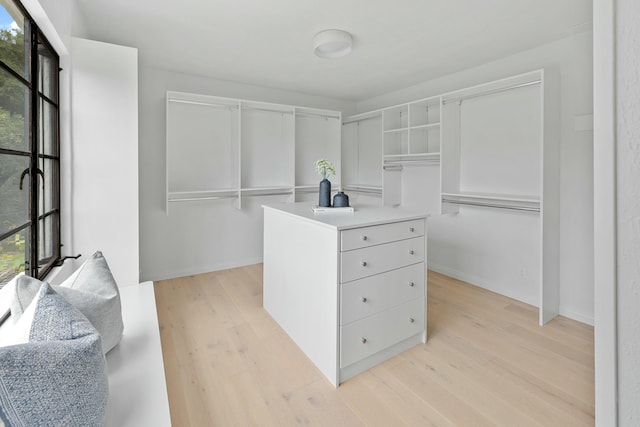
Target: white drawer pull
{"points": [[411, 229], [363, 263], [364, 238], [411, 320], [411, 252], [411, 284], [364, 299], [363, 340]]}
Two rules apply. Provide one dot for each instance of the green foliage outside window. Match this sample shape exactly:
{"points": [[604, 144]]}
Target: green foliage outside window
{"points": [[13, 99]]}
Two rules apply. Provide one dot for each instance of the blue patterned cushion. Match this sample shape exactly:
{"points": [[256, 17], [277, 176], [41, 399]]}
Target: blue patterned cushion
{"points": [[91, 289], [58, 378]]}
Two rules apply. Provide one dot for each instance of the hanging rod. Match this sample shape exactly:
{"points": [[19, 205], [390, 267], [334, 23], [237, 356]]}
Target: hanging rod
{"points": [[359, 189], [361, 120], [318, 116], [490, 92], [491, 205], [265, 109], [195, 199], [208, 104], [270, 193], [412, 161], [392, 167]]}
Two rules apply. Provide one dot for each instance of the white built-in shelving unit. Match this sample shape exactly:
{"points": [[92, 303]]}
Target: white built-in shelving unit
{"points": [[405, 135], [500, 151], [221, 148], [496, 146]]}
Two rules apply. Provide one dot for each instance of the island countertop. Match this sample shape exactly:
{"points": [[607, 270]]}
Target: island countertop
{"points": [[363, 215]]}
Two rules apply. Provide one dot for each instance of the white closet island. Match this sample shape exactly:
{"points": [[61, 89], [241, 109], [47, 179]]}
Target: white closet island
{"points": [[348, 288]]}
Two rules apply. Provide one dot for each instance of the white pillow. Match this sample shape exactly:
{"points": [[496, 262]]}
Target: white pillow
{"points": [[18, 333], [91, 289]]}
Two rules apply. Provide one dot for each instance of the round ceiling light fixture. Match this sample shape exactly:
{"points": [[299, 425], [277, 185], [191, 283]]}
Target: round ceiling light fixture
{"points": [[332, 43]]}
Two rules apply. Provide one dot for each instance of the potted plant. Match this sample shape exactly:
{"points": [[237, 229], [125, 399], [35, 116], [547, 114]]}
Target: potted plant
{"points": [[325, 169]]}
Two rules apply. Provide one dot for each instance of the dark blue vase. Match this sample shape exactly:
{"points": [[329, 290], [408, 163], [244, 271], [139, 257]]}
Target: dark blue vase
{"points": [[325, 193], [340, 200]]}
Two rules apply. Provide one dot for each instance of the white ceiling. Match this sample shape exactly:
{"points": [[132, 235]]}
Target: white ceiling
{"points": [[397, 43]]}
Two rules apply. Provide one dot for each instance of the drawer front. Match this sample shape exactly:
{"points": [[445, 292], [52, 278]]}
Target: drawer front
{"points": [[370, 335], [365, 297], [366, 262], [378, 234]]}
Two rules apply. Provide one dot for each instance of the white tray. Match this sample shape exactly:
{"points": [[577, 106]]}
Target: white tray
{"points": [[322, 209]]}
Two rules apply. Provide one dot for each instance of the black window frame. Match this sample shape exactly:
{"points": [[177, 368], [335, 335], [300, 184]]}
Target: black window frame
{"points": [[37, 265]]}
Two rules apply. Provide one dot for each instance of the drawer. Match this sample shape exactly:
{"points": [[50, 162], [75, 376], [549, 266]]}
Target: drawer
{"points": [[366, 262], [378, 234], [365, 297], [370, 335]]}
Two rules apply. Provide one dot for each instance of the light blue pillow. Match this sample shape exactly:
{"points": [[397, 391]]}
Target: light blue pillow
{"points": [[58, 378], [91, 289]]}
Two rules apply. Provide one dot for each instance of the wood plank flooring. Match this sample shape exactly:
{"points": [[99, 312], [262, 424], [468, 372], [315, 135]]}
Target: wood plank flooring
{"points": [[486, 363]]}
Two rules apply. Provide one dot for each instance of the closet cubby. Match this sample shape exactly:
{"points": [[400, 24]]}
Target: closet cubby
{"points": [[424, 126], [267, 148], [362, 157], [202, 151], [317, 135], [492, 145]]}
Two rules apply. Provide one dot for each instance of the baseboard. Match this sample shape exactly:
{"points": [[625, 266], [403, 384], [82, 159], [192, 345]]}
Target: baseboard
{"points": [[579, 317], [476, 281], [191, 271]]}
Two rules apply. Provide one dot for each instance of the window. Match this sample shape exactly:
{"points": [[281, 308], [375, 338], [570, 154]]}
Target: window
{"points": [[29, 147]]}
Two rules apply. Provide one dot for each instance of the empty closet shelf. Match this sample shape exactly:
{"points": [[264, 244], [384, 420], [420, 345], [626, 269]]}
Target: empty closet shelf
{"points": [[502, 201], [190, 196]]}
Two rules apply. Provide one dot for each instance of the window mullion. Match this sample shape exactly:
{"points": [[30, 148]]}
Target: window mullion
{"points": [[33, 135]]}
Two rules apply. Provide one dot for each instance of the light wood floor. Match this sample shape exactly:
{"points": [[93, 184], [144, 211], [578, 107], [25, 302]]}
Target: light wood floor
{"points": [[486, 362]]}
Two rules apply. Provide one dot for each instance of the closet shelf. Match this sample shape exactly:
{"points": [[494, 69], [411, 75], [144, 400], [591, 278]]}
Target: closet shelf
{"points": [[307, 188], [362, 117], [190, 196], [524, 198], [408, 128], [427, 126], [503, 201], [266, 191], [413, 156], [396, 130], [363, 189]]}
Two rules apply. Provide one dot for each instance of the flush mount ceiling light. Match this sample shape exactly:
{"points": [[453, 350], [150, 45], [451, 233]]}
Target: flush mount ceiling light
{"points": [[332, 43]]}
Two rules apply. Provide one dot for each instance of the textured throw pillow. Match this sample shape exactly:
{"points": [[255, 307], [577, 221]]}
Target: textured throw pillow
{"points": [[58, 378], [91, 289]]}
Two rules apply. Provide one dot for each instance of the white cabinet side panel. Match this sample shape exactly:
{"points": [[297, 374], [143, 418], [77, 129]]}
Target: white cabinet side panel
{"points": [[300, 286]]}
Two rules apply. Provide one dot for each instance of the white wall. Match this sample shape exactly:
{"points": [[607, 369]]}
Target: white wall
{"points": [[452, 243], [198, 236], [628, 208], [104, 155]]}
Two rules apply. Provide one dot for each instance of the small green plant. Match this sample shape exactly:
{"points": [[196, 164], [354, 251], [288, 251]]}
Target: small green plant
{"points": [[324, 168]]}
